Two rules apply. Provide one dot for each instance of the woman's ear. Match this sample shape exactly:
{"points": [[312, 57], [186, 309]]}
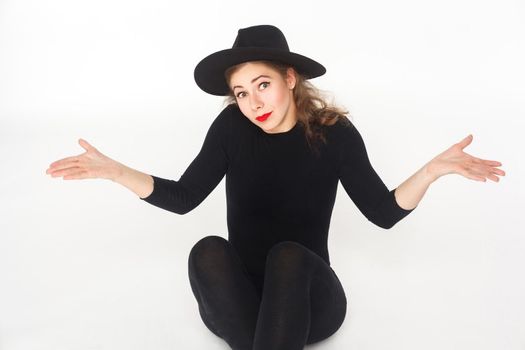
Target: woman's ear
{"points": [[290, 78]]}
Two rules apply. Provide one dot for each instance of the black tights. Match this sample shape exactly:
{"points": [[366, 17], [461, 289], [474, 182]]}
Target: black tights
{"points": [[301, 301]]}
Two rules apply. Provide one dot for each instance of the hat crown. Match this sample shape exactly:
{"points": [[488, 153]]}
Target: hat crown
{"points": [[266, 36], [255, 43]]}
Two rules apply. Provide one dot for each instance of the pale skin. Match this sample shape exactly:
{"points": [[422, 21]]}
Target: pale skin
{"points": [[271, 92]]}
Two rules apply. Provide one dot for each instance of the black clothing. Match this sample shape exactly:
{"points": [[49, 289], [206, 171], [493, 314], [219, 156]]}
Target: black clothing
{"points": [[277, 189], [303, 301]]}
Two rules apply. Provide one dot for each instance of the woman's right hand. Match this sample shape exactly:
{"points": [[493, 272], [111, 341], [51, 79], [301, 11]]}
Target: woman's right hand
{"points": [[91, 164]]}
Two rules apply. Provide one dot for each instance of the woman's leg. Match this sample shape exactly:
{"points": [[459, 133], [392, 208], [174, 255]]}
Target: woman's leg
{"points": [[227, 298], [303, 301]]}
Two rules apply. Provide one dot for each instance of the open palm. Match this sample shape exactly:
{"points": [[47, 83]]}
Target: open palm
{"points": [[90, 164], [455, 160]]}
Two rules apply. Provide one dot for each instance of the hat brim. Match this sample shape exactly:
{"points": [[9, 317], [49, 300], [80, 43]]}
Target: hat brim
{"points": [[209, 72]]}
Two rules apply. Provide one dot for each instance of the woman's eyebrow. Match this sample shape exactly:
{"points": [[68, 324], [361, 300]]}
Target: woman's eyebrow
{"points": [[254, 79]]}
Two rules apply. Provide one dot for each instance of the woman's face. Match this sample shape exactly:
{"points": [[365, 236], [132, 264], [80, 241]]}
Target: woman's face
{"points": [[260, 90]]}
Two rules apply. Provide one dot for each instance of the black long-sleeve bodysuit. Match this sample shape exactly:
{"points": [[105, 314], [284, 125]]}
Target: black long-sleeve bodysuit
{"points": [[277, 189]]}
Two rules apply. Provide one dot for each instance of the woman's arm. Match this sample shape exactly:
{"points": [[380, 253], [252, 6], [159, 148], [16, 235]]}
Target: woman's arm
{"points": [[202, 175], [200, 178], [362, 183], [138, 182], [411, 191], [451, 161]]}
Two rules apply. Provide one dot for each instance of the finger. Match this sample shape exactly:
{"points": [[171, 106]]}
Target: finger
{"points": [[498, 171], [466, 141], [85, 145], [57, 170], [484, 170], [64, 161], [492, 162], [491, 174], [65, 171], [493, 177]]}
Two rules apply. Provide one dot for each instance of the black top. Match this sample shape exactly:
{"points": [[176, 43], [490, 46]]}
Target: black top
{"points": [[277, 189]]}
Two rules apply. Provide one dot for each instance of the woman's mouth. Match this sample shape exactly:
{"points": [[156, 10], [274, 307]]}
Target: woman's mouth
{"points": [[263, 117]]}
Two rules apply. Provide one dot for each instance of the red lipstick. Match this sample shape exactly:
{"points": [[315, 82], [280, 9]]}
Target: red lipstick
{"points": [[263, 117]]}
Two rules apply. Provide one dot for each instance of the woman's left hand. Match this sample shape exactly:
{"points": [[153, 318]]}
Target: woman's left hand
{"points": [[455, 161]]}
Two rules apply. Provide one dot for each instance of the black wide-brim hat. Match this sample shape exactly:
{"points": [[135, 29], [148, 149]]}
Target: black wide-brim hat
{"points": [[261, 42]]}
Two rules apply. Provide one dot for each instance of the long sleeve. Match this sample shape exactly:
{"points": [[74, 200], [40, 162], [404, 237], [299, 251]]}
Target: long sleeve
{"points": [[202, 175], [363, 184]]}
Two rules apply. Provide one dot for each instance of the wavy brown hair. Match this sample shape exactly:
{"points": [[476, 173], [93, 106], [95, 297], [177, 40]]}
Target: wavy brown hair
{"points": [[313, 111]]}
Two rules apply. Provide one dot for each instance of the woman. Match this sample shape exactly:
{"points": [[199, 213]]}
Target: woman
{"points": [[283, 151]]}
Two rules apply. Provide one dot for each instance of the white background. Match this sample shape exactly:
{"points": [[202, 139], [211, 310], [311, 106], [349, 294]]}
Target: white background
{"points": [[88, 265]]}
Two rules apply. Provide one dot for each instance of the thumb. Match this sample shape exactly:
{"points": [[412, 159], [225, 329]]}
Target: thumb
{"points": [[85, 144], [466, 141]]}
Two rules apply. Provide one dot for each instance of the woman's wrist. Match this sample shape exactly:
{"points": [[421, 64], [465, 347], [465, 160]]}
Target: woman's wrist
{"points": [[429, 172], [138, 182]]}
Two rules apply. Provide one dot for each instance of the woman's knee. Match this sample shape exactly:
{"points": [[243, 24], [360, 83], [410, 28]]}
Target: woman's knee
{"points": [[287, 254], [206, 251], [208, 243]]}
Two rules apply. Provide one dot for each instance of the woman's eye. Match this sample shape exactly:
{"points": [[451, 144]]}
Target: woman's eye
{"points": [[266, 83]]}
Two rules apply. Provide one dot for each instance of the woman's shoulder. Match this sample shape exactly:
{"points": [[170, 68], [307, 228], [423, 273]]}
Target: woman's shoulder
{"points": [[231, 109], [343, 133], [236, 121], [230, 114], [226, 117], [342, 126], [230, 122]]}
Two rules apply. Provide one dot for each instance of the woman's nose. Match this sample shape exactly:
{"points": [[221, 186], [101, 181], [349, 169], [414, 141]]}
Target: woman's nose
{"points": [[255, 102]]}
